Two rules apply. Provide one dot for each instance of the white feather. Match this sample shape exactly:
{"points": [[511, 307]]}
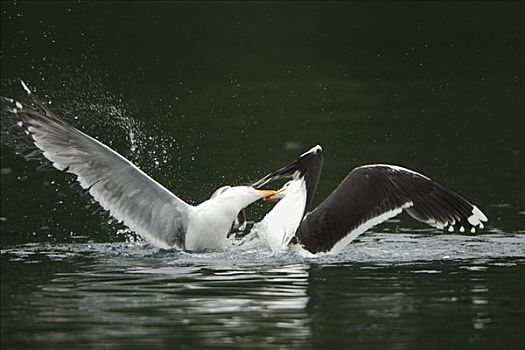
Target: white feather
{"points": [[395, 168], [339, 246], [279, 225]]}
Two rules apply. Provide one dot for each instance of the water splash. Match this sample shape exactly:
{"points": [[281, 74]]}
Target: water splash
{"points": [[375, 248]]}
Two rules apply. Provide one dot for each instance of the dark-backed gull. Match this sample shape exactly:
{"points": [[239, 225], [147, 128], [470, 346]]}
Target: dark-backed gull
{"points": [[368, 196]]}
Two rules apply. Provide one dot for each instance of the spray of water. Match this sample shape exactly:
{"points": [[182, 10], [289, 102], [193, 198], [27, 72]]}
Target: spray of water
{"points": [[85, 103]]}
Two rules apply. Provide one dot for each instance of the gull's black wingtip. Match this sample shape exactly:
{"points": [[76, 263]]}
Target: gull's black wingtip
{"points": [[312, 158]]}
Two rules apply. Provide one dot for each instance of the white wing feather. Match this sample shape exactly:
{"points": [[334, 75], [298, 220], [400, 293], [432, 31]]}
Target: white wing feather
{"points": [[131, 196], [279, 225]]}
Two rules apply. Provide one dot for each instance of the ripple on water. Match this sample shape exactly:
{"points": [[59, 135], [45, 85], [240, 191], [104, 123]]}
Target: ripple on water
{"points": [[135, 293], [372, 248]]}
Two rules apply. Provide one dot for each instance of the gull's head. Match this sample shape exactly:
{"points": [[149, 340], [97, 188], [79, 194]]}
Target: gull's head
{"points": [[281, 193], [240, 197]]}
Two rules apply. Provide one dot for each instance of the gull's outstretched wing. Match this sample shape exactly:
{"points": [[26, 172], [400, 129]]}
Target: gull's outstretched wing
{"points": [[372, 194], [131, 196]]}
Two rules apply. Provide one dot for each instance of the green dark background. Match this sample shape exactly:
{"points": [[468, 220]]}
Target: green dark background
{"points": [[202, 94]]}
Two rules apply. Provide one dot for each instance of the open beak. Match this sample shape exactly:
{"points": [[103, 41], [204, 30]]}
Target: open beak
{"points": [[273, 195], [267, 194]]}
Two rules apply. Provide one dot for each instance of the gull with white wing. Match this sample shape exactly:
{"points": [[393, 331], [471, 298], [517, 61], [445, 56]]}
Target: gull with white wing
{"points": [[130, 195]]}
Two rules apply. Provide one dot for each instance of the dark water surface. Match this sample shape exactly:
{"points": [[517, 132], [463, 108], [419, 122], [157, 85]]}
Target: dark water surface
{"points": [[205, 94]]}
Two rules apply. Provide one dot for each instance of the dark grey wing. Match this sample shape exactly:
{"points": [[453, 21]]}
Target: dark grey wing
{"points": [[130, 195], [372, 194]]}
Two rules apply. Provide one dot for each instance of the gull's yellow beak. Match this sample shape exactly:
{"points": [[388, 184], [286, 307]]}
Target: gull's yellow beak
{"points": [[267, 194]]}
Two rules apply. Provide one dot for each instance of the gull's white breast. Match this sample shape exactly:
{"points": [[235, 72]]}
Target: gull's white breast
{"points": [[209, 224]]}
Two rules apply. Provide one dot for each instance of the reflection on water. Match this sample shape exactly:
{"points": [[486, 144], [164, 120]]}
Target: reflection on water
{"points": [[390, 305], [135, 296], [142, 305]]}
